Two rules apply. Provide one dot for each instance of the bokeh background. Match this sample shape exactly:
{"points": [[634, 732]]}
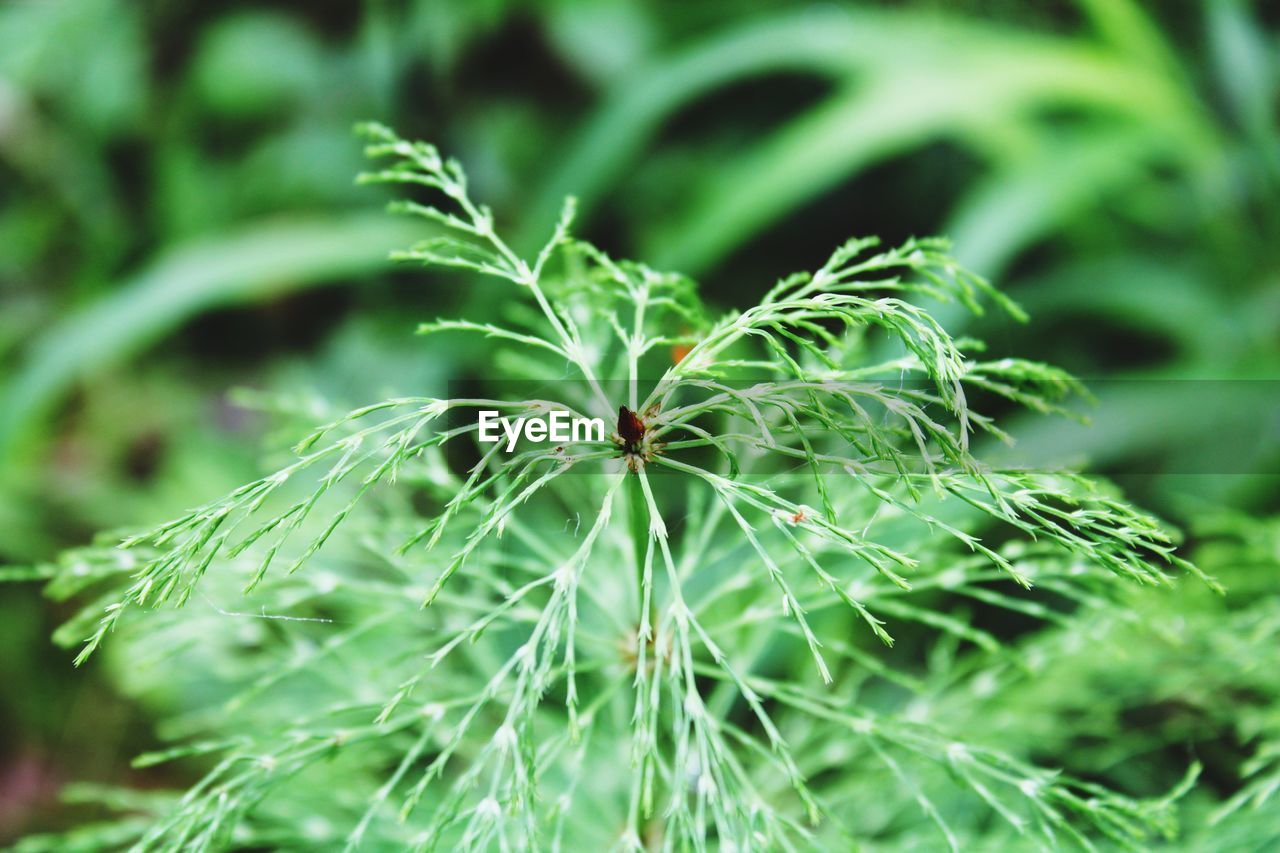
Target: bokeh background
{"points": [[178, 219]]}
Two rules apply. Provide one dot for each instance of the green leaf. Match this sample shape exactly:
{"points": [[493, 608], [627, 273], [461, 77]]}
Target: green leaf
{"points": [[260, 263]]}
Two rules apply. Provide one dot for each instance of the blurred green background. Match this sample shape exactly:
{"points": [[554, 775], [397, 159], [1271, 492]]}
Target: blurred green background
{"points": [[178, 218]]}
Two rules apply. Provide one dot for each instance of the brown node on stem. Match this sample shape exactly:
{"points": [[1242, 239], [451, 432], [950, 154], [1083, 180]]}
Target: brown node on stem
{"points": [[633, 435], [630, 429]]}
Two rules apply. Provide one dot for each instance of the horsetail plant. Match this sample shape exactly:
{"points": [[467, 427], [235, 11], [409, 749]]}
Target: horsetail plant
{"points": [[681, 636]]}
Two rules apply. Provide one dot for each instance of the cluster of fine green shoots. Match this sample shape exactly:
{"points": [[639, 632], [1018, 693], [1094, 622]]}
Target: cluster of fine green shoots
{"points": [[732, 624]]}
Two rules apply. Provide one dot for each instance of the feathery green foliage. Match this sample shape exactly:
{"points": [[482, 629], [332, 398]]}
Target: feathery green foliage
{"points": [[684, 641]]}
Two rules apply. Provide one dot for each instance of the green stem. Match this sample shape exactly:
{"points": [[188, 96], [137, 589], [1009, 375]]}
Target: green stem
{"points": [[638, 527]]}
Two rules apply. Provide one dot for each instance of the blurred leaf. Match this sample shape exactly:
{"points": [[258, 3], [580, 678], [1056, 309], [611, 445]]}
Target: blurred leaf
{"points": [[902, 81], [1026, 199], [1143, 294], [602, 40], [1128, 28], [962, 87], [259, 263], [87, 57], [633, 112], [255, 64], [1248, 73]]}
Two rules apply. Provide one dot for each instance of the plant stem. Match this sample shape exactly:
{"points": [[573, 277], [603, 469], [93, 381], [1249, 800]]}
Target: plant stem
{"points": [[638, 528]]}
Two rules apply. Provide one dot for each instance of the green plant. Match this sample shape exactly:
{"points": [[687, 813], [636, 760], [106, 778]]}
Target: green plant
{"points": [[483, 657], [1192, 674]]}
